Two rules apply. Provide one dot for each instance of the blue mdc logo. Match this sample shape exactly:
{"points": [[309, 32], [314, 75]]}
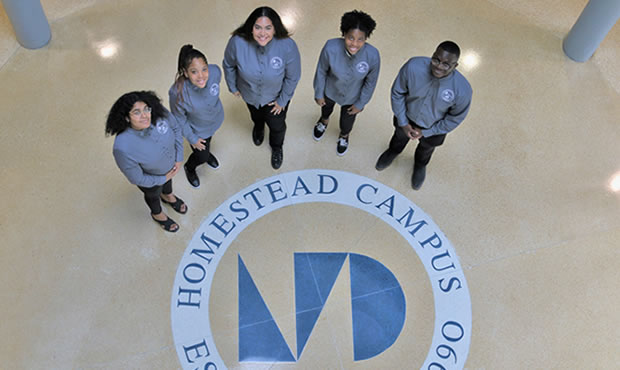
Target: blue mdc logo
{"points": [[377, 299], [377, 302]]}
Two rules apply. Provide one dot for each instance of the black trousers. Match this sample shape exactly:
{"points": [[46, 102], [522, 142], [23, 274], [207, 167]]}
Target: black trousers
{"points": [[346, 119], [199, 157], [425, 148], [275, 122], [152, 194]]}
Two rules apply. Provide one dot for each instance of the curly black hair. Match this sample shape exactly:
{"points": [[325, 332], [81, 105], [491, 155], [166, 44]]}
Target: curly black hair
{"points": [[118, 119], [359, 20], [245, 30]]}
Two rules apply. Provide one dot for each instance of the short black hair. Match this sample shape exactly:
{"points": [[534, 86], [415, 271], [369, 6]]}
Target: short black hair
{"points": [[118, 118], [245, 30], [357, 19], [450, 47]]}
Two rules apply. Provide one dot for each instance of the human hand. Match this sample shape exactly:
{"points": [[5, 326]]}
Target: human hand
{"points": [[277, 109], [174, 170], [412, 132], [320, 102], [353, 110], [199, 144], [237, 94]]}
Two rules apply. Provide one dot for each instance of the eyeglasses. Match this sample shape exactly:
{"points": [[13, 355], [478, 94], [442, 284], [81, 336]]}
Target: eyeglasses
{"points": [[138, 112], [444, 65]]}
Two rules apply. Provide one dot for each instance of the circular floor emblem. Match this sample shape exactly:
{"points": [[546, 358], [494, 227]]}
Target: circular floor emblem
{"points": [[191, 326]]}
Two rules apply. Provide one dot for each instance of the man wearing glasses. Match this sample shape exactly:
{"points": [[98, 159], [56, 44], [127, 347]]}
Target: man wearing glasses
{"points": [[429, 99]]}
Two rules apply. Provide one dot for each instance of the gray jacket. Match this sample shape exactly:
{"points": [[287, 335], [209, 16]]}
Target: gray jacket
{"points": [[345, 78], [438, 105], [262, 74], [145, 156]]}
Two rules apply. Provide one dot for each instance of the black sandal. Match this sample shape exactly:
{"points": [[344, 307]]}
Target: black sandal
{"points": [[176, 205], [167, 224]]}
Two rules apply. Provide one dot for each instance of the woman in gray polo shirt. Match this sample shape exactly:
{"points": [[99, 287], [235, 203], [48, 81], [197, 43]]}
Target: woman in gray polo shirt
{"points": [[346, 74], [195, 103], [148, 149], [262, 65]]}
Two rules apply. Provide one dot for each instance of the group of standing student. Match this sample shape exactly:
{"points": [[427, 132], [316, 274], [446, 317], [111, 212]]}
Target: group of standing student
{"points": [[262, 66]]}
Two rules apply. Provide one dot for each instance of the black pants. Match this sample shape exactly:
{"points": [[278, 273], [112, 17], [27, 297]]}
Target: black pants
{"points": [[346, 119], [198, 157], [275, 122], [152, 194], [425, 148]]}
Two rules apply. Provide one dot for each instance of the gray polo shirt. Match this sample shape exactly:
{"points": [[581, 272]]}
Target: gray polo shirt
{"points": [[200, 113], [345, 78], [262, 74], [145, 156], [438, 105]]}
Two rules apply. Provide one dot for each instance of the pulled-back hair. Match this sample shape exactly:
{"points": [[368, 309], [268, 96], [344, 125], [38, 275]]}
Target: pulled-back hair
{"points": [[245, 30], [186, 55], [450, 47], [118, 119], [359, 20]]}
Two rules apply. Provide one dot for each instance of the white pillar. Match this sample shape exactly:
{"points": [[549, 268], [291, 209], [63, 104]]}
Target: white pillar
{"points": [[597, 18], [29, 22]]}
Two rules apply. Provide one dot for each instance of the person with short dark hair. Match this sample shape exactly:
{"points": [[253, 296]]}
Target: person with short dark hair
{"points": [[262, 65], [347, 74], [148, 149], [195, 102], [430, 98]]}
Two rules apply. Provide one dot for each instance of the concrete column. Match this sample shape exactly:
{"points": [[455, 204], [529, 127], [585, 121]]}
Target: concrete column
{"points": [[29, 22], [597, 18]]}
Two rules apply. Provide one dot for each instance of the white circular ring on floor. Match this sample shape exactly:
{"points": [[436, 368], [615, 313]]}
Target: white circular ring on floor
{"points": [[191, 327]]}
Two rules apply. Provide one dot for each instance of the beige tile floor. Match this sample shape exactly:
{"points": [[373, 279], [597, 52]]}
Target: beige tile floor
{"points": [[523, 189]]}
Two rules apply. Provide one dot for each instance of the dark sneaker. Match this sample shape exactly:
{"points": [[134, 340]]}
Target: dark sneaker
{"points": [[385, 160], [212, 162], [277, 156], [319, 130], [258, 136], [343, 145], [192, 177], [417, 178]]}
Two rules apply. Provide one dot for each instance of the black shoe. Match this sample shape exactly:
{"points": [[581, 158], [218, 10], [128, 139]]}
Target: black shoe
{"points": [[343, 145], [212, 162], [258, 136], [192, 177], [277, 156], [385, 160], [319, 130], [417, 179]]}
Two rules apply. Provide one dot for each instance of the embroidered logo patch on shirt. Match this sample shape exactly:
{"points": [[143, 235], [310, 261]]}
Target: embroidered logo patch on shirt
{"points": [[214, 89], [276, 63], [162, 127], [362, 67], [447, 95]]}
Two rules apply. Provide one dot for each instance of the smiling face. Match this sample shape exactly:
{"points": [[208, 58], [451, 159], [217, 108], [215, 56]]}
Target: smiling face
{"points": [[140, 116], [354, 40], [443, 63], [197, 72], [263, 31]]}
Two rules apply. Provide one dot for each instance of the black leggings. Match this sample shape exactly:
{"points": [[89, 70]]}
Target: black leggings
{"points": [[198, 157], [346, 119], [152, 194], [275, 122]]}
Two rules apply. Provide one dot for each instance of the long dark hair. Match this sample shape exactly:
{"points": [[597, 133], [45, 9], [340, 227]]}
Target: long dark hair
{"points": [[118, 119], [186, 55], [245, 30]]}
